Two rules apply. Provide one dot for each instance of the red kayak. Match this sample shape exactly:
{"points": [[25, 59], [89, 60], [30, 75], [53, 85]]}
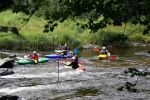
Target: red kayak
{"points": [[80, 68], [80, 62]]}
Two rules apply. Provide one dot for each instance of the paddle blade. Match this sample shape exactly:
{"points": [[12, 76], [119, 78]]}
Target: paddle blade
{"points": [[113, 58], [75, 51], [96, 50], [108, 54]]}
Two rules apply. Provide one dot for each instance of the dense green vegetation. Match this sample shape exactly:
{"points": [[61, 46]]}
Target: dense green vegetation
{"points": [[47, 24], [30, 35]]}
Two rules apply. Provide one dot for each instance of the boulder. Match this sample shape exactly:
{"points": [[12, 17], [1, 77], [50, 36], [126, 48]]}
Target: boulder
{"points": [[9, 97]]}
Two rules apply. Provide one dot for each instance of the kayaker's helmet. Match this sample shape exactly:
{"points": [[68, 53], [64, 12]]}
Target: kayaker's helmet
{"points": [[25, 56], [73, 58], [65, 44], [34, 52], [103, 47]]}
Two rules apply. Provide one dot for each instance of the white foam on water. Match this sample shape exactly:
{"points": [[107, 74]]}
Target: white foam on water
{"points": [[44, 75], [60, 86], [19, 89]]}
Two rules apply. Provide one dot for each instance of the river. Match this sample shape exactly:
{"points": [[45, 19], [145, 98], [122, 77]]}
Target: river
{"points": [[99, 82]]}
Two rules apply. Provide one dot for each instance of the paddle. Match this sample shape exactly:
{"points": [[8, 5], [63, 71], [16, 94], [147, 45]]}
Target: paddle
{"points": [[96, 50], [75, 51], [112, 57]]}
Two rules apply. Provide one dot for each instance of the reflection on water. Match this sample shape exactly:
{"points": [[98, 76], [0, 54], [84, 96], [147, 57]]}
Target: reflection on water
{"points": [[98, 82]]}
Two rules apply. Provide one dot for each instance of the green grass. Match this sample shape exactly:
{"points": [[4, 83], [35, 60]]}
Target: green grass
{"points": [[16, 33]]}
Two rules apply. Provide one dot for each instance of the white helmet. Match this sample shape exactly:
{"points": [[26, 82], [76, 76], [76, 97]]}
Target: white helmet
{"points": [[25, 56], [103, 47], [65, 44], [73, 58], [34, 51]]}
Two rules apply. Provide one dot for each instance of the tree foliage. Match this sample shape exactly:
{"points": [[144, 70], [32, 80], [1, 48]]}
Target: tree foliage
{"points": [[132, 72], [111, 11], [4, 4]]}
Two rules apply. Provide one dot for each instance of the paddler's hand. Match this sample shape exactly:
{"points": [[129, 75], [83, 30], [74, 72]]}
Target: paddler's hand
{"points": [[35, 61]]}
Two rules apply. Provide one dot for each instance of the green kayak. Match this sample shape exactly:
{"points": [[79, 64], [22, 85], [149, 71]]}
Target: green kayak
{"points": [[30, 61], [58, 51]]}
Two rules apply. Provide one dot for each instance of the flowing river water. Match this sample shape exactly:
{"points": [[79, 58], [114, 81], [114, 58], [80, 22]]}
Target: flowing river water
{"points": [[99, 82]]}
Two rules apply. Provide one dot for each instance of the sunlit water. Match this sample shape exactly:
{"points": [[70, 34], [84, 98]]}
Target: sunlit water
{"points": [[99, 82]]}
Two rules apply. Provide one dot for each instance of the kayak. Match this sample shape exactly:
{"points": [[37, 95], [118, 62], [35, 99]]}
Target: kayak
{"points": [[58, 51], [79, 62], [54, 56], [102, 56], [80, 68], [30, 61]]}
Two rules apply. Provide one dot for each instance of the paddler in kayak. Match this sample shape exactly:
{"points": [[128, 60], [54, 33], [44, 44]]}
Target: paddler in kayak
{"points": [[104, 54], [104, 51], [74, 62], [34, 56], [65, 48]]}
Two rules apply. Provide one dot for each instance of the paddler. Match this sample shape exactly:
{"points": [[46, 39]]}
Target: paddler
{"points": [[74, 62], [104, 51], [35, 57], [65, 48]]}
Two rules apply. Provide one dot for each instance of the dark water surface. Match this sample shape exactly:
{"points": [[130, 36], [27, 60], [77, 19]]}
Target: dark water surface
{"points": [[99, 82]]}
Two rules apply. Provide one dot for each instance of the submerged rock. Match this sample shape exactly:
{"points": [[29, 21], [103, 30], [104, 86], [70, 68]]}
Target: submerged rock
{"points": [[6, 63], [9, 97], [7, 72]]}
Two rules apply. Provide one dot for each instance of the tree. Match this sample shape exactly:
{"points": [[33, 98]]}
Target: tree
{"points": [[132, 72], [115, 12], [4, 4]]}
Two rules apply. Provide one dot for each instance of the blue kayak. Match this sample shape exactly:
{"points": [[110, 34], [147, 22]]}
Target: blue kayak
{"points": [[54, 56]]}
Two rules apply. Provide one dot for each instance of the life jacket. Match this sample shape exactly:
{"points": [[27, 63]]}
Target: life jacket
{"points": [[36, 57], [64, 50], [74, 63], [104, 52]]}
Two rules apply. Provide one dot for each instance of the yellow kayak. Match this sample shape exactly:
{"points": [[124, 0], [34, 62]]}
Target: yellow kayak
{"points": [[102, 56]]}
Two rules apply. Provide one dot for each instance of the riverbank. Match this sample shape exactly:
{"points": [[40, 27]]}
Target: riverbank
{"points": [[133, 45]]}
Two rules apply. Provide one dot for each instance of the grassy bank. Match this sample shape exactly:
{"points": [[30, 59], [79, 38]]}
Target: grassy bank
{"points": [[17, 33]]}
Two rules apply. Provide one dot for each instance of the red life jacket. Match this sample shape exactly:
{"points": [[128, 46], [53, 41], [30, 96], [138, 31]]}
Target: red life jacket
{"points": [[36, 57]]}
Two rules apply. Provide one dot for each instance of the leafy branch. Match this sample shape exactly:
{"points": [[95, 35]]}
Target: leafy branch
{"points": [[132, 72]]}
